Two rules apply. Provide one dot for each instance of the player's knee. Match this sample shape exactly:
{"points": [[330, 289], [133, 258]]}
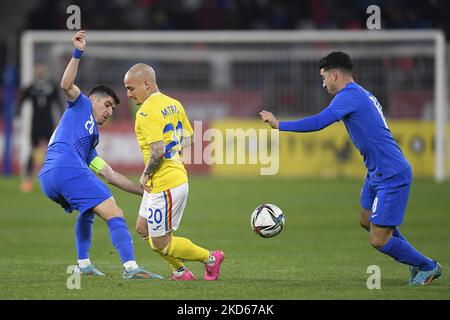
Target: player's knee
{"points": [[117, 212], [108, 210], [364, 223], [142, 230], [377, 242], [142, 227], [158, 245], [364, 219], [157, 248], [138, 229]]}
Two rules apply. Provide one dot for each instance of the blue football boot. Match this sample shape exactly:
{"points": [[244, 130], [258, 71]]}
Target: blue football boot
{"points": [[88, 271], [140, 273], [424, 278]]}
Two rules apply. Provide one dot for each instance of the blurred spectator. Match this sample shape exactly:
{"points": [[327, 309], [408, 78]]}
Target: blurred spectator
{"points": [[43, 96]]}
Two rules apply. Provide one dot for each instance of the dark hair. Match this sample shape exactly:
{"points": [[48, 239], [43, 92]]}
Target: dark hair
{"points": [[106, 91], [338, 60]]}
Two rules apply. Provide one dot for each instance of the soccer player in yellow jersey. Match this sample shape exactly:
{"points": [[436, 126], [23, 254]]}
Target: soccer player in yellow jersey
{"points": [[162, 130]]}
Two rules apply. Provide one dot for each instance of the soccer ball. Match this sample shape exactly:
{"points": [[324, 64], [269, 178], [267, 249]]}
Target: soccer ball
{"points": [[267, 220]]}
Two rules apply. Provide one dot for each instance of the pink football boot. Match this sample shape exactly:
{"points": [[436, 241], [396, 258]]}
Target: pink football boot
{"points": [[212, 272], [187, 275]]}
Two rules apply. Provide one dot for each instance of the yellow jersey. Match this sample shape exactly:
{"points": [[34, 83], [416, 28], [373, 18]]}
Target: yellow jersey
{"points": [[161, 118]]}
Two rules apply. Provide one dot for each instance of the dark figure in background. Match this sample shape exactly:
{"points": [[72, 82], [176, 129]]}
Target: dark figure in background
{"points": [[43, 95]]}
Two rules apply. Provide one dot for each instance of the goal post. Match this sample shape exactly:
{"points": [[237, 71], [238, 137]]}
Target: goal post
{"points": [[222, 60]]}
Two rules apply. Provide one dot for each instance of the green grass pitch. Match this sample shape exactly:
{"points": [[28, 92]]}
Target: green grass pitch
{"points": [[322, 252]]}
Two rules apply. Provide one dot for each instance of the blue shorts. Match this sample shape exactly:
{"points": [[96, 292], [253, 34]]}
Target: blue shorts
{"points": [[387, 199], [74, 188]]}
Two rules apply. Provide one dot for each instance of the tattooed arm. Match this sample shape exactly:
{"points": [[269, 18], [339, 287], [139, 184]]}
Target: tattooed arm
{"points": [[157, 150]]}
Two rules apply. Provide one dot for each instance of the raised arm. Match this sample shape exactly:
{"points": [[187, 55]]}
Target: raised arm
{"points": [[71, 91]]}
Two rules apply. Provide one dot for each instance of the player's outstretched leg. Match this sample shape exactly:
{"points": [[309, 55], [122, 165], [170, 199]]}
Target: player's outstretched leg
{"points": [[83, 240], [418, 277], [365, 223], [179, 270], [174, 250], [421, 272], [184, 249], [121, 239], [382, 239]]}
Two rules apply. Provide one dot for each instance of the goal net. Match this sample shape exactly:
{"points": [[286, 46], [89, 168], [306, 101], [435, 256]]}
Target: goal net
{"points": [[225, 78]]}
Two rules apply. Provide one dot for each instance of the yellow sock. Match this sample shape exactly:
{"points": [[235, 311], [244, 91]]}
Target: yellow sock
{"points": [[174, 263], [183, 248]]}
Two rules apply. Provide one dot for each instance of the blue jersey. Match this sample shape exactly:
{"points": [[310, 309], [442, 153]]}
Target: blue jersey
{"points": [[73, 143], [366, 125], [363, 117]]}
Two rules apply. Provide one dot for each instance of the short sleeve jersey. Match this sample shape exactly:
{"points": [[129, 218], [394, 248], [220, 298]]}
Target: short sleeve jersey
{"points": [[161, 118], [73, 142]]}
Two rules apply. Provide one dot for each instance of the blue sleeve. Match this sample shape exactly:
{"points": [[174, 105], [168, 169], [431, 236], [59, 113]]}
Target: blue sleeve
{"points": [[309, 124], [344, 103], [82, 99], [91, 156]]}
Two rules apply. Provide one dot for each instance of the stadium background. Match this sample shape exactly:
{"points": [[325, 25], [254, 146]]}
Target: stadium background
{"points": [[213, 90], [230, 96]]}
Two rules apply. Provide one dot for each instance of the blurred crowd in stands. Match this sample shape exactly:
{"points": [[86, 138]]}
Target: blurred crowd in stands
{"points": [[224, 15], [241, 14]]}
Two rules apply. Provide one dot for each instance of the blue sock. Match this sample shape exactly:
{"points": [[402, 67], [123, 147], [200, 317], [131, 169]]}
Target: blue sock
{"points": [[121, 238], [403, 252], [397, 234], [83, 234]]}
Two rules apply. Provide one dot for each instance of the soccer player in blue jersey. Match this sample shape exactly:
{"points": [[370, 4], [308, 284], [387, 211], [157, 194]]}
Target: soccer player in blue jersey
{"points": [[385, 192], [67, 176]]}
